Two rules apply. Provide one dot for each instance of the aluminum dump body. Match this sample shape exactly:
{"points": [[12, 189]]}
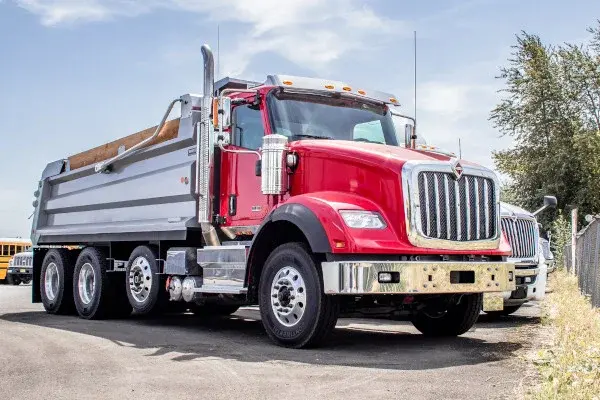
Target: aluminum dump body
{"points": [[148, 195]]}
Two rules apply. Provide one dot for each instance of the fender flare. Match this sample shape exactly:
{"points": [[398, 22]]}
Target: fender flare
{"points": [[305, 219]]}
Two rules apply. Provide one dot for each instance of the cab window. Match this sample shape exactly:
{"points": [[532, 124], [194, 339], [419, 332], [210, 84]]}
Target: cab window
{"points": [[371, 132], [248, 128]]}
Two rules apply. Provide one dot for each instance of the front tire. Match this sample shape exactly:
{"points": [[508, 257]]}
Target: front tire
{"points": [[13, 280], [455, 320], [56, 282], [294, 310]]}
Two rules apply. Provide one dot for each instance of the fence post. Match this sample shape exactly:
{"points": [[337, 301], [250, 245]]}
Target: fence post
{"points": [[573, 240]]}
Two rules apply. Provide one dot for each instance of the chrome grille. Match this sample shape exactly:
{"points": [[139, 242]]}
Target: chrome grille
{"points": [[522, 236], [458, 210]]}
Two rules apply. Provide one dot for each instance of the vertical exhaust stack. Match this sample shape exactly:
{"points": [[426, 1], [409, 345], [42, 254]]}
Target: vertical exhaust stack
{"points": [[205, 152]]}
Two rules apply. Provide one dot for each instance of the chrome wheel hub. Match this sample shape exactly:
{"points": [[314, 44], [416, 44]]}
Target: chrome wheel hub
{"points": [[288, 296], [86, 282], [51, 281], [140, 279]]}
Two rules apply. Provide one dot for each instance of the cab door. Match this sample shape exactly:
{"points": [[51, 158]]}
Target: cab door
{"points": [[242, 202]]}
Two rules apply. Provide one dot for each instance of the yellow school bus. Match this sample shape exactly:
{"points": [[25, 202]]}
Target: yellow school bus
{"points": [[8, 248]]}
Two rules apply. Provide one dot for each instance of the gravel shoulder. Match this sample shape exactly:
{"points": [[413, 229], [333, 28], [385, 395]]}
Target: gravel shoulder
{"points": [[182, 356]]}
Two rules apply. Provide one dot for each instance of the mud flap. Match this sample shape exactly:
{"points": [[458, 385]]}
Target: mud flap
{"points": [[493, 301]]}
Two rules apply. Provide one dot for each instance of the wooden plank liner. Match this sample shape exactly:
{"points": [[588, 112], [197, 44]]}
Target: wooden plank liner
{"points": [[111, 149]]}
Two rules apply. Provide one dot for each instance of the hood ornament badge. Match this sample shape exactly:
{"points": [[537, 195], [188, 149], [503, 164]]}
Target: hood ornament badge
{"points": [[457, 169]]}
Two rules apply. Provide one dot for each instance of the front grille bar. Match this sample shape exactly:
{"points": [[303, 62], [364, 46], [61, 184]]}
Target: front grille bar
{"points": [[522, 236], [457, 210]]}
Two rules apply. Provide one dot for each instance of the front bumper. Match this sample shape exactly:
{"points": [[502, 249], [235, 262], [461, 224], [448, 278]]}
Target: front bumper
{"points": [[530, 285], [417, 277], [19, 271]]}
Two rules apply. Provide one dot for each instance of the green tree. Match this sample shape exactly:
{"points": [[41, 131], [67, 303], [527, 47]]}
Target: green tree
{"points": [[551, 108]]}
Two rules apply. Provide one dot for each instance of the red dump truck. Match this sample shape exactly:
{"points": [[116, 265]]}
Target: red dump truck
{"points": [[304, 196]]}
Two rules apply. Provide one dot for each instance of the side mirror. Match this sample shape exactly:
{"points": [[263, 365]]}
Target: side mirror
{"points": [[408, 132], [221, 113], [550, 202]]}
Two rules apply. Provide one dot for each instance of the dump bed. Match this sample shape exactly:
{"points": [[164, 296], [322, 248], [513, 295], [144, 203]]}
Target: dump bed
{"points": [[148, 195]]}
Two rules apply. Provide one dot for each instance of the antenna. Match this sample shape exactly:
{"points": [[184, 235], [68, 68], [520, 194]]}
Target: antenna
{"points": [[415, 83], [413, 138], [218, 51], [459, 150]]}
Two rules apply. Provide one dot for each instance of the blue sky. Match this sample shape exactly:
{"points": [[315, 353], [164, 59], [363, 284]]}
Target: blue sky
{"points": [[77, 73]]}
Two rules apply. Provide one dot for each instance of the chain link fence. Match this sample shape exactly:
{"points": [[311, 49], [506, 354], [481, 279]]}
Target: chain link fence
{"points": [[587, 261]]}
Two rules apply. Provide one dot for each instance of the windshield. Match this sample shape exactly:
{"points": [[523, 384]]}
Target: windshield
{"points": [[314, 116]]}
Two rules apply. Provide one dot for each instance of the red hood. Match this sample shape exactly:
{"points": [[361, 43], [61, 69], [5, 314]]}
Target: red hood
{"points": [[378, 153]]}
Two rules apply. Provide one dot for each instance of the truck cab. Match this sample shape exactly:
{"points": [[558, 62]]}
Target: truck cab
{"points": [[308, 197]]}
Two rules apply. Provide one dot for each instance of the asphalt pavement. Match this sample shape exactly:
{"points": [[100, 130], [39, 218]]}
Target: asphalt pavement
{"points": [[185, 357]]}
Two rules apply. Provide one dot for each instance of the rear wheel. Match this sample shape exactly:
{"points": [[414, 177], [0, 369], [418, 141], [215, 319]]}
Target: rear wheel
{"points": [[449, 318], [508, 310], [13, 280], [97, 294], [144, 283], [294, 310], [56, 282]]}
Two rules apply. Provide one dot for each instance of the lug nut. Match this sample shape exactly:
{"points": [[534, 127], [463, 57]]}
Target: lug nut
{"points": [[276, 287]]}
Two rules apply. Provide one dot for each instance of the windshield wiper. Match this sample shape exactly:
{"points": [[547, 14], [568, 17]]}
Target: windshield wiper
{"points": [[306, 136]]}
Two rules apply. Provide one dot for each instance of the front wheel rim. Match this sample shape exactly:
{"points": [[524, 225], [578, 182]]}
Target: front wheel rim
{"points": [[51, 281], [288, 296], [140, 279], [86, 283]]}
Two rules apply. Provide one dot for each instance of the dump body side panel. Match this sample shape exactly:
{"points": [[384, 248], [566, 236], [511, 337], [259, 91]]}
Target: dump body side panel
{"points": [[149, 195]]}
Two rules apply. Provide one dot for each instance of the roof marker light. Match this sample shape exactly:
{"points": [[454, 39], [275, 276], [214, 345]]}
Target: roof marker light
{"points": [[360, 91], [393, 100], [287, 83], [329, 87], [347, 88]]}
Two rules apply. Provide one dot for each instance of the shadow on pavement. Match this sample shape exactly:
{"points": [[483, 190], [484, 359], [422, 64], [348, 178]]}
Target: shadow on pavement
{"points": [[241, 337]]}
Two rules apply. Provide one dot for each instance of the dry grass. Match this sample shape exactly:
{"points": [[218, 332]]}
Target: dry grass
{"points": [[570, 366]]}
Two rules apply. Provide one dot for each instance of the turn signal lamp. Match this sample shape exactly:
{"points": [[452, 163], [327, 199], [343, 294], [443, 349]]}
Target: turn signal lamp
{"points": [[215, 112]]}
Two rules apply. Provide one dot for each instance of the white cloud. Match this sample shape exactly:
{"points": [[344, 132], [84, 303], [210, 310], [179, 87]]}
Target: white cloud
{"points": [[313, 32]]}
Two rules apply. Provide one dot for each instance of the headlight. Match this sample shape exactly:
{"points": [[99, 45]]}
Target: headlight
{"points": [[363, 219]]}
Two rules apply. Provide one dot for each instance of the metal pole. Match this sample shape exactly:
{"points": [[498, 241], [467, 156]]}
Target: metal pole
{"points": [[573, 240]]}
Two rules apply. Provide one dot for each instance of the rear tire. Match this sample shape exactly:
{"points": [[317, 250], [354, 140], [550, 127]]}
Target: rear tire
{"points": [[13, 280], [456, 320], [145, 287], [96, 293], [508, 310], [56, 282], [303, 316]]}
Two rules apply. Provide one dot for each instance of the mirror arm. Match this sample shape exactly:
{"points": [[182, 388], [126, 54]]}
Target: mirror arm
{"points": [[220, 144], [536, 212]]}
